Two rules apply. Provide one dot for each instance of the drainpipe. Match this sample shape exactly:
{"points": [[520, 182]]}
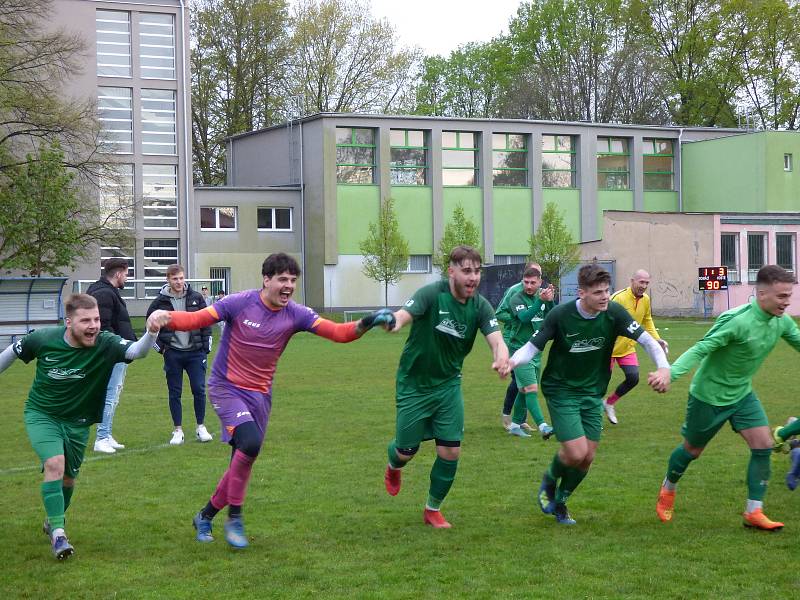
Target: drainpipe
{"points": [[303, 217], [680, 160], [186, 145]]}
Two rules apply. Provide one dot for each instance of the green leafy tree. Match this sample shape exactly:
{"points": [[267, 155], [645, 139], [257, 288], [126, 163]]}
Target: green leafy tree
{"points": [[553, 246], [385, 250], [459, 231], [47, 222]]}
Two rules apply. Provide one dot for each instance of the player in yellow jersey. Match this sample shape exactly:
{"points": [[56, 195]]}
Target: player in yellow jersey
{"points": [[637, 303]]}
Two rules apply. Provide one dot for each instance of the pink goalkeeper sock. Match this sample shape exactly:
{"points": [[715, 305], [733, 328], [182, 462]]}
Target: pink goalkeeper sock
{"points": [[220, 498], [612, 398], [238, 477]]}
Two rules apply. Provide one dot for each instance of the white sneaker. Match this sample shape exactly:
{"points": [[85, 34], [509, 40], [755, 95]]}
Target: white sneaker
{"points": [[203, 435], [103, 445], [518, 431], [177, 438], [611, 412], [115, 444]]}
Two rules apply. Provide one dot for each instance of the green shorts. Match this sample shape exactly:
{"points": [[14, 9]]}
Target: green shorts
{"points": [[704, 420], [576, 417], [436, 415], [529, 373], [51, 437]]}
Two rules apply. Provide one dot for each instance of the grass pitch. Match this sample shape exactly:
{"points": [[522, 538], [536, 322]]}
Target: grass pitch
{"points": [[321, 524]]}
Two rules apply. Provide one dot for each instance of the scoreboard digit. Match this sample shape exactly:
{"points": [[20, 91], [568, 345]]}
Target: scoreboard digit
{"points": [[711, 279]]}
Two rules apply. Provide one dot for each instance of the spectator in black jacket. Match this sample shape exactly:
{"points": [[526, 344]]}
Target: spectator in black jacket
{"points": [[114, 318], [183, 351]]}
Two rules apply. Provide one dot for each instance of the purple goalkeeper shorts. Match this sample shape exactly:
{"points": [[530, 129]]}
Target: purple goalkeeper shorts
{"points": [[235, 406]]}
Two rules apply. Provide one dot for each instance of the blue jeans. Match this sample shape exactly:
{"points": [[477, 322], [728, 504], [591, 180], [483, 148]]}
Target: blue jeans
{"points": [[194, 363], [113, 391]]}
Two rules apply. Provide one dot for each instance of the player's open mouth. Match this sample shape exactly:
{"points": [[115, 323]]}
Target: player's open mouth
{"points": [[284, 296]]}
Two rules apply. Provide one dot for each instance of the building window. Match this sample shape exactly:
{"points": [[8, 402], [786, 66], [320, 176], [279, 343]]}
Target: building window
{"points": [[157, 46], [158, 255], [459, 158], [113, 37], [158, 122], [509, 159], [355, 155], [409, 154], [116, 196], [218, 218], [729, 251], [785, 251], [787, 162], [558, 161], [106, 252], [756, 253], [657, 157], [613, 164], [418, 263], [223, 273], [274, 219], [510, 259], [115, 114], [160, 196]]}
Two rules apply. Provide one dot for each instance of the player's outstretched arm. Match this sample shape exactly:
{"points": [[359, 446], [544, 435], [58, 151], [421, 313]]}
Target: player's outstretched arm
{"points": [[401, 318], [348, 332], [659, 380], [7, 358], [178, 320], [499, 353], [522, 356]]}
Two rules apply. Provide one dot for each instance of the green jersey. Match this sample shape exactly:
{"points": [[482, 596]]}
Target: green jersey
{"points": [[578, 364], [732, 351], [70, 383], [528, 313], [442, 335], [503, 312]]}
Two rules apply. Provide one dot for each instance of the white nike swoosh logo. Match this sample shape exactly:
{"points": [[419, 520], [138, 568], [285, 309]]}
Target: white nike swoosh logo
{"points": [[49, 359], [572, 334], [443, 312]]}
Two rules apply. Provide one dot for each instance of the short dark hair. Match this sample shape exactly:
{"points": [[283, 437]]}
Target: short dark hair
{"points": [[532, 272], [279, 263], [461, 253], [769, 274], [592, 275], [78, 301], [113, 265], [174, 270]]}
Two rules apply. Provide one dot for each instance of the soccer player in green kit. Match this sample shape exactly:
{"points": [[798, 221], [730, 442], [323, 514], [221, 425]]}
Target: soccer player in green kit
{"points": [[445, 317], [576, 378], [527, 308], [722, 389], [73, 366]]}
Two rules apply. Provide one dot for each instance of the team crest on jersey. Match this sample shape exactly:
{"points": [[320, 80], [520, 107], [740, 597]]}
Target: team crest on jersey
{"points": [[451, 327], [587, 345]]}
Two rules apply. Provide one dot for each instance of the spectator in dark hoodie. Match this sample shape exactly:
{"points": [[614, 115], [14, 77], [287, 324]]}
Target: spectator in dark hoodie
{"points": [[114, 318], [183, 351]]}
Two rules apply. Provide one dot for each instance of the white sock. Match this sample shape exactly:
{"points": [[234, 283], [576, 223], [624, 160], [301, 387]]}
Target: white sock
{"points": [[753, 504], [668, 485]]}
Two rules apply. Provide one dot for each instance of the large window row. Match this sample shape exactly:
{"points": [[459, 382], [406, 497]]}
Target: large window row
{"points": [[157, 118], [409, 161], [156, 44], [157, 254], [159, 199], [756, 252], [226, 218]]}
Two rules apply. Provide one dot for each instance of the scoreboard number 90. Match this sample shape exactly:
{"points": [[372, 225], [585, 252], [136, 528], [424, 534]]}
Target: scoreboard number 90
{"points": [[711, 279]]}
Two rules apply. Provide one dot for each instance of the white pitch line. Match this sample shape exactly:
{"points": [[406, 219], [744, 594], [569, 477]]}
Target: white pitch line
{"points": [[93, 458]]}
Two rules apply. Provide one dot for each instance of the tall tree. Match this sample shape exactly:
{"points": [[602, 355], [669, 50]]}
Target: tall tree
{"points": [[240, 53], [347, 61], [460, 230], [385, 250], [553, 246], [47, 223]]}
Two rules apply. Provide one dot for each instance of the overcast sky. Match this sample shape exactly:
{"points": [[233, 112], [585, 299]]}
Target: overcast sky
{"points": [[440, 26]]}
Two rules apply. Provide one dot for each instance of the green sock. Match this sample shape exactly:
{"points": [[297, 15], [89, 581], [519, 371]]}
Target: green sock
{"points": [[395, 462], [678, 462], [789, 430], [758, 472], [520, 410], [442, 475], [53, 498], [572, 479], [557, 469], [532, 403], [67, 491]]}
